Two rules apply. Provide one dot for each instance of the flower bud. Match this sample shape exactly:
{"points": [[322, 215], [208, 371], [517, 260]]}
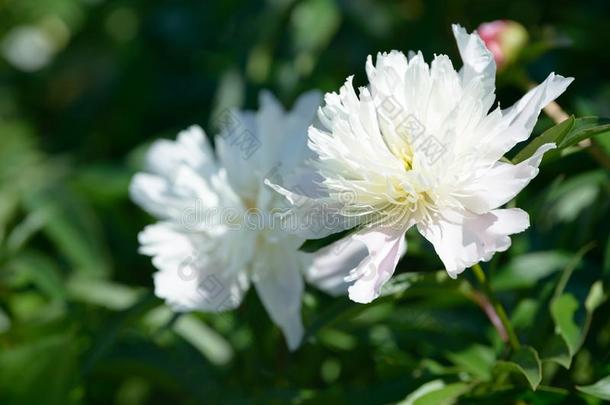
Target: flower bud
{"points": [[505, 39]]}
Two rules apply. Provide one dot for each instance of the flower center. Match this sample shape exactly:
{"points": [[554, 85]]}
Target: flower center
{"points": [[405, 154], [249, 203]]}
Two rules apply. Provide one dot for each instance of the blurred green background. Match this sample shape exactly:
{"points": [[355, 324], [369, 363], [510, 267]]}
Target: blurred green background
{"points": [[86, 85]]}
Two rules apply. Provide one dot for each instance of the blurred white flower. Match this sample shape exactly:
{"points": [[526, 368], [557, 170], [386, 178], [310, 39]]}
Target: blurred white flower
{"points": [[32, 47], [27, 48], [216, 233], [419, 147]]}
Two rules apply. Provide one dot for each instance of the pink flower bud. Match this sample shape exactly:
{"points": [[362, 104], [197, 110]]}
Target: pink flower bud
{"points": [[505, 39]]}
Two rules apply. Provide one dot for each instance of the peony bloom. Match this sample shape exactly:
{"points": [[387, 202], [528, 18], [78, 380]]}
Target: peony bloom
{"points": [[421, 146], [216, 233]]}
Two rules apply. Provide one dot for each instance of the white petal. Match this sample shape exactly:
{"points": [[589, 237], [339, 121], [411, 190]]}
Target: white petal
{"points": [[294, 150], [185, 279], [475, 239], [209, 292], [478, 60], [310, 218], [502, 182], [191, 148], [155, 195], [384, 250], [280, 289], [237, 146], [333, 263], [518, 121], [189, 196]]}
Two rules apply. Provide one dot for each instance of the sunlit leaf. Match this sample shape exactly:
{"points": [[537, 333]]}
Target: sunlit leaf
{"points": [[554, 134], [436, 393], [585, 128], [527, 269], [211, 345], [566, 134], [600, 389], [596, 296], [102, 293], [323, 14], [563, 310], [569, 198]]}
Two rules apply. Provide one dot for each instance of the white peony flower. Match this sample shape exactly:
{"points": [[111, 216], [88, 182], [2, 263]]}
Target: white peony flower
{"points": [[420, 147], [217, 231]]}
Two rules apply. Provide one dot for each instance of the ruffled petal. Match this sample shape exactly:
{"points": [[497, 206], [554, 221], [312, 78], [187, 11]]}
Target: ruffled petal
{"points": [[384, 250], [518, 121], [502, 182], [478, 60], [191, 149], [476, 238], [186, 280], [333, 263]]}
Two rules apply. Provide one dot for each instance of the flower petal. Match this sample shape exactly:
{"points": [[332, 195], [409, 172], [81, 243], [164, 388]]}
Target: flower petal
{"points": [[478, 60], [311, 218], [475, 239], [186, 280], [502, 182], [191, 148], [280, 288], [384, 250], [518, 121], [333, 263]]}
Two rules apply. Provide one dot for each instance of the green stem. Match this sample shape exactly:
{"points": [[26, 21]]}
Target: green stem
{"points": [[513, 340]]}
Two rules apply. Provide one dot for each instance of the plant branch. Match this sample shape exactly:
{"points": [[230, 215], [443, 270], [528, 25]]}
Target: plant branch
{"points": [[507, 333]]}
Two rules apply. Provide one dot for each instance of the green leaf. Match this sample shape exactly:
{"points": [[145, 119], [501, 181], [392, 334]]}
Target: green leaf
{"points": [[569, 269], [600, 389], [436, 393], [557, 351], [525, 270], [564, 135], [596, 296], [102, 293], [324, 15], [584, 128], [74, 229], [43, 371], [114, 178], [563, 310], [25, 230], [524, 313], [478, 360], [571, 197], [192, 329], [41, 271], [552, 135], [525, 362], [570, 336], [603, 143], [108, 335]]}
